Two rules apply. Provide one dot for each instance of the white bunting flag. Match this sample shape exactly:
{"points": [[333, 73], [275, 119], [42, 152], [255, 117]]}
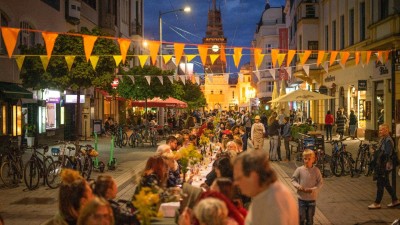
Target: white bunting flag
{"points": [[148, 78], [289, 71], [326, 66], [183, 79], [240, 77], [161, 79], [257, 73], [226, 76], [272, 72], [171, 78], [306, 69], [132, 79]]}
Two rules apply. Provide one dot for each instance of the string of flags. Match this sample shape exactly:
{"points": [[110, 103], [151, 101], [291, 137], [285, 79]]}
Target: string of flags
{"points": [[279, 58]]}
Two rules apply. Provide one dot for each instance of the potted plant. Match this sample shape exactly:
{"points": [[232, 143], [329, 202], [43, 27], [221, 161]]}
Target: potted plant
{"points": [[30, 134]]}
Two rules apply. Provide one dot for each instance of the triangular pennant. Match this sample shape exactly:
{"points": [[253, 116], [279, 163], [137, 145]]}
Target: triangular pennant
{"points": [[357, 56], [203, 49], [237, 55], [274, 56], [321, 55], [342, 65], [161, 79], [154, 47], [176, 77], [222, 53], [386, 56], [226, 76], [258, 57], [325, 65], [49, 39], [171, 79], [368, 57], [121, 78], [94, 59], [10, 36], [190, 57], [197, 78], [290, 56], [148, 78], [69, 59], [240, 77], [143, 59], [210, 77], [178, 50], [306, 69], [124, 47], [88, 43], [167, 58], [45, 61], [132, 78], [281, 57], [272, 72], [118, 59], [305, 57], [379, 57], [213, 57], [20, 61], [344, 56], [257, 73], [333, 57], [183, 79], [363, 57], [289, 71]]}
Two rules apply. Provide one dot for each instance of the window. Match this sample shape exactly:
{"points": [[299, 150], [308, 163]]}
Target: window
{"points": [[27, 37], [4, 23], [362, 21], [91, 3], [326, 37], [351, 27], [269, 65], [270, 86], [220, 92], [313, 45], [342, 32], [268, 47], [334, 35], [55, 4], [383, 9], [310, 11]]}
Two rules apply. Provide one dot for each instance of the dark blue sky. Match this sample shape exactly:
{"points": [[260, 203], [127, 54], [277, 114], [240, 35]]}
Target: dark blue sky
{"points": [[239, 18]]}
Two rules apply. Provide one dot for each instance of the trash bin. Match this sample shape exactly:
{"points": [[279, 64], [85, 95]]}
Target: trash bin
{"points": [[97, 126]]}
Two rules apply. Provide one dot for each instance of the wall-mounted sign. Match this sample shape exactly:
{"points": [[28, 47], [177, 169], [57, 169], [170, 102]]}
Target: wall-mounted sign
{"points": [[323, 90], [368, 110], [329, 78], [362, 85], [53, 100], [73, 99]]}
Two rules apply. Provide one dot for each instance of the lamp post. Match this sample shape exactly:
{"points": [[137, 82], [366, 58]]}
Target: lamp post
{"points": [[186, 9]]}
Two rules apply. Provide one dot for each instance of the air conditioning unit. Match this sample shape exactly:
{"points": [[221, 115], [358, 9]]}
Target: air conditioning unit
{"points": [[73, 11]]}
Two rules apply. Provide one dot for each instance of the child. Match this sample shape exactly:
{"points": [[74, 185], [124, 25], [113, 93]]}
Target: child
{"points": [[307, 180]]}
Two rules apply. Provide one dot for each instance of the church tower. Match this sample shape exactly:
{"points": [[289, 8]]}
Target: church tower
{"points": [[215, 40]]}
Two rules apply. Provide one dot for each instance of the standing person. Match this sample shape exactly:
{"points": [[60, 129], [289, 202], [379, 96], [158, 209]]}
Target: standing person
{"points": [[272, 202], [341, 123], [352, 124], [383, 163], [257, 134], [307, 179], [286, 135], [244, 137], [328, 125], [273, 132], [247, 124]]}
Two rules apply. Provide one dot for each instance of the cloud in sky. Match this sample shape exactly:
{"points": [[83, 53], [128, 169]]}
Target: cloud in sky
{"points": [[239, 17]]}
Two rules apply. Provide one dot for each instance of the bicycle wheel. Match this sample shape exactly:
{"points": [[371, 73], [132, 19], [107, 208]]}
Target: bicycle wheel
{"points": [[53, 175], [131, 140], [124, 140], [8, 174], [298, 159], [31, 174], [358, 165], [366, 167], [87, 168], [347, 164], [336, 166]]}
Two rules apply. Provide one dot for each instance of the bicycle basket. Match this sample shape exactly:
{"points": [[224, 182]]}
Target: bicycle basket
{"points": [[93, 153], [55, 151]]}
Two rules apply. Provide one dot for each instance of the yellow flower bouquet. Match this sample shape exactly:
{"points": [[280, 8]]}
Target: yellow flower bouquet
{"points": [[147, 202], [188, 156]]}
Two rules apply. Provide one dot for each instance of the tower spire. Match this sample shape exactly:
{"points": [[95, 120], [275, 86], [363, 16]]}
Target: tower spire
{"points": [[214, 5]]}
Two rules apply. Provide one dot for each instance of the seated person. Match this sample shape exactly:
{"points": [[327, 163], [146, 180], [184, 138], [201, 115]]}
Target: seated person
{"points": [[154, 174], [96, 211]]}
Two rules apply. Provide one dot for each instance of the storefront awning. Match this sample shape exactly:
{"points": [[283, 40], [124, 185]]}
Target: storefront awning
{"points": [[14, 91]]}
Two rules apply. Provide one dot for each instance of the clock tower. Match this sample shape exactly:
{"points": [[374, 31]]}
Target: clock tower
{"points": [[215, 40]]}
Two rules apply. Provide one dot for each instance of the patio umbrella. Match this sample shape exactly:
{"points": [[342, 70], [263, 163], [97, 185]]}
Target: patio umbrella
{"points": [[301, 95], [274, 95], [158, 102]]}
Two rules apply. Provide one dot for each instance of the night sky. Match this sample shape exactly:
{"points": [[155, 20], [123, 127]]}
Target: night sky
{"points": [[239, 18]]}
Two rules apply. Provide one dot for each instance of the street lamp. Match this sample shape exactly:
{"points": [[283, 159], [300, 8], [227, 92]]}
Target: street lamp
{"points": [[186, 9]]}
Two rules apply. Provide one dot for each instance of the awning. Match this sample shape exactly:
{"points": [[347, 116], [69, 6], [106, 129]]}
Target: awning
{"points": [[158, 102], [109, 97], [14, 91]]}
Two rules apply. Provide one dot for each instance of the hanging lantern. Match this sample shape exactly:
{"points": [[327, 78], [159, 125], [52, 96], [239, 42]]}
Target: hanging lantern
{"points": [[115, 83]]}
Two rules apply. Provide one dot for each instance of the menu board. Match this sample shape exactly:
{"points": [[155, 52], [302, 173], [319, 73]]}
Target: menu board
{"points": [[368, 110], [361, 105]]}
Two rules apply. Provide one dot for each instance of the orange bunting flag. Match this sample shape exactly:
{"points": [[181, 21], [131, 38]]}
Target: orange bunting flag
{"points": [[290, 56], [368, 56], [213, 57], [257, 56], [321, 55], [70, 60], [274, 56], [118, 59], [94, 59], [333, 57], [10, 36], [124, 47], [222, 54], [203, 53], [20, 61], [365, 57], [49, 39], [344, 56], [88, 43], [281, 57], [357, 55], [386, 56], [379, 56], [143, 59], [167, 58], [190, 57], [305, 57], [45, 61], [154, 47], [237, 55], [178, 47]]}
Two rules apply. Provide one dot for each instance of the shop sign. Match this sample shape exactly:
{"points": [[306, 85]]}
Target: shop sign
{"points": [[53, 100], [362, 85], [323, 90], [329, 78], [382, 69], [73, 99]]}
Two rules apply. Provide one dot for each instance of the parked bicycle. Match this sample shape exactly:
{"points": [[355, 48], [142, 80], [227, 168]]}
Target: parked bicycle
{"points": [[121, 138], [364, 157], [37, 167], [135, 139], [342, 161], [11, 170]]}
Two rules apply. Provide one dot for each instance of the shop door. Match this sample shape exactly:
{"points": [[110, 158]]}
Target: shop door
{"points": [[379, 104]]}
